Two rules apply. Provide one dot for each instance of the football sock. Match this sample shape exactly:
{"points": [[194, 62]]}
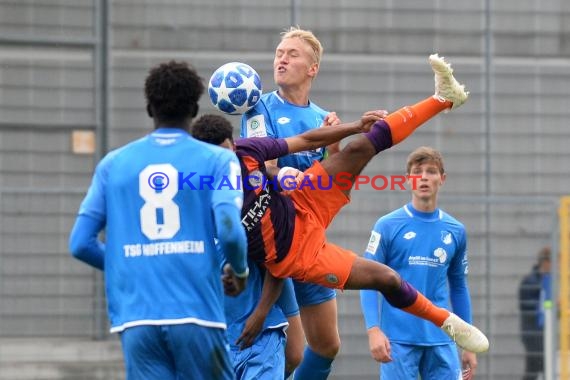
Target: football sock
{"points": [[403, 297], [380, 136], [313, 366], [425, 309], [404, 121], [410, 300]]}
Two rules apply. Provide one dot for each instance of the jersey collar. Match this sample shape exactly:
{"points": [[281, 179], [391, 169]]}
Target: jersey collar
{"points": [[437, 214]]}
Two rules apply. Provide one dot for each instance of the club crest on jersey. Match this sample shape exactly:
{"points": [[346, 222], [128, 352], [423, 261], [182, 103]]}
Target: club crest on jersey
{"points": [[332, 278], [255, 178], [446, 237]]}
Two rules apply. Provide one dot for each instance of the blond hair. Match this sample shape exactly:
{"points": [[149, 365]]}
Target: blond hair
{"points": [[423, 155], [308, 37]]}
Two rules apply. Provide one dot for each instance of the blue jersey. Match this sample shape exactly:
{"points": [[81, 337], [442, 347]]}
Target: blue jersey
{"points": [[429, 251], [273, 116], [156, 196], [239, 308]]}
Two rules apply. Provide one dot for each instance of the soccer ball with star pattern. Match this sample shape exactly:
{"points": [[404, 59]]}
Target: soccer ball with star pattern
{"points": [[234, 88]]}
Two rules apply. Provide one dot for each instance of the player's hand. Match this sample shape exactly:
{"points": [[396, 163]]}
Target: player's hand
{"points": [[468, 364], [379, 345], [291, 178], [252, 328], [368, 119], [331, 119], [233, 285]]}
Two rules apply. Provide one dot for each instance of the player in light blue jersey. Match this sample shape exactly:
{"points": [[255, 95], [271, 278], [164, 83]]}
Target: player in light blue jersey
{"points": [[257, 334], [284, 113], [428, 248], [162, 200]]}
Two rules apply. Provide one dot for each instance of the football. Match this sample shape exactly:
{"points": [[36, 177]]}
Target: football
{"points": [[234, 88]]}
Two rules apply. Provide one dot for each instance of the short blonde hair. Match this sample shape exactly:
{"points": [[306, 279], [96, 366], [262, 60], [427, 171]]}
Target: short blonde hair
{"points": [[425, 154], [308, 37]]}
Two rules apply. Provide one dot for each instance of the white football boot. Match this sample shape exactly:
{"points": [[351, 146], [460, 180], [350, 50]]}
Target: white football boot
{"points": [[446, 86], [466, 336]]}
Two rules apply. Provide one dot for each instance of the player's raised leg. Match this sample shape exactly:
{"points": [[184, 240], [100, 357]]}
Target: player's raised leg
{"points": [[368, 274], [395, 127]]}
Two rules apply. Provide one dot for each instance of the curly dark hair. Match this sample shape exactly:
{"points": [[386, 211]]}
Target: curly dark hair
{"points": [[172, 91], [213, 129]]}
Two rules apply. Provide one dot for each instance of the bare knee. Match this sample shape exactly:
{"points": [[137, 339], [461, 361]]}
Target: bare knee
{"points": [[328, 348], [391, 280]]}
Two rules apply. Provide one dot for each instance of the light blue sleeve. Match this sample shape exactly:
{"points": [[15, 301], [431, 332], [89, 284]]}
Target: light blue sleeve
{"points": [[94, 203], [227, 202], [457, 276], [287, 301], [84, 244]]}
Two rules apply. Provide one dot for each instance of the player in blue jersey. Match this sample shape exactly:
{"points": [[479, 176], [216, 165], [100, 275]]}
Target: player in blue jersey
{"points": [[428, 248], [283, 113], [286, 230], [160, 217], [256, 334]]}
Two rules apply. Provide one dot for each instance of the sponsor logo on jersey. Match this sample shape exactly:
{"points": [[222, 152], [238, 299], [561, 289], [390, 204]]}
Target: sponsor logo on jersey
{"points": [[373, 242], [283, 120], [440, 254], [437, 260], [252, 216], [410, 235]]}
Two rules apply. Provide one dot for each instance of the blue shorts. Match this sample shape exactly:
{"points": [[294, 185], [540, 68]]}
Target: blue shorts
{"points": [[175, 352], [431, 362], [265, 360], [308, 294]]}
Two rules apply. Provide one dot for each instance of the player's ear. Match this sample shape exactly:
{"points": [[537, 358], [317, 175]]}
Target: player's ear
{"points": [[314, 70], [149, 111]]}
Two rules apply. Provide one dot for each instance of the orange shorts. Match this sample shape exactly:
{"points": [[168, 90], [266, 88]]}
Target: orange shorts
{"points": [[311, 258]]}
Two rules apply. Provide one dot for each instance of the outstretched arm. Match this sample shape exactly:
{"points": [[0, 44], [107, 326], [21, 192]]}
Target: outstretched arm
{"points": [[271, 291], [320, 137]]}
